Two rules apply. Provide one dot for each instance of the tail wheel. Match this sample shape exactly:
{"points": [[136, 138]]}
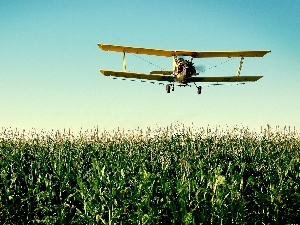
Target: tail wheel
{"points": [[168, 88], [199, 90]]}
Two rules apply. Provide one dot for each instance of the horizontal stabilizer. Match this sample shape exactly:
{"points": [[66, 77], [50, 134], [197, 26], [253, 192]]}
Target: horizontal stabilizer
{"points": [[163, 72]]}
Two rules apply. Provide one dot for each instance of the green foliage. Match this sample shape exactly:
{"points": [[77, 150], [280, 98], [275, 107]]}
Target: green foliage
{"points": [[176, 175]]}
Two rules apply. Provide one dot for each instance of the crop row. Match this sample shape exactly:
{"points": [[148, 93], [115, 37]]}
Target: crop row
{"points": [[170, 175]]}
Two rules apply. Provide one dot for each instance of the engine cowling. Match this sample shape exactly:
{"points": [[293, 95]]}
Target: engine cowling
{"points": [[183, 70]]}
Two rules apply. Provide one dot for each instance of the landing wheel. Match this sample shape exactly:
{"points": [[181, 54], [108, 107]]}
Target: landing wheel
{"points": [[168, 88], [199, 90]]}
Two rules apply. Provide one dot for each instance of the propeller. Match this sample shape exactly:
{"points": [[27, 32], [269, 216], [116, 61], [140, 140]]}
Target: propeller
{"points": [[200, 68]]}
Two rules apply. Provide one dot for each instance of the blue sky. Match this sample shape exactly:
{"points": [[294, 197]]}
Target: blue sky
{"points": [[49, 63]]}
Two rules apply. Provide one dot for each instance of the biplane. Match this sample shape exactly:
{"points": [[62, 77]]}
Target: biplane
{"points": [[184, 72]]}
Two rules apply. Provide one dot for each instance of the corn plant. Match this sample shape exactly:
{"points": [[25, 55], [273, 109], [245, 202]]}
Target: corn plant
{"points": [[173, 175]]}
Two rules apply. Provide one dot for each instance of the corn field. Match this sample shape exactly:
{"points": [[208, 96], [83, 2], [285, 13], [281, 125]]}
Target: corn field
{"points": [[173, 175]]}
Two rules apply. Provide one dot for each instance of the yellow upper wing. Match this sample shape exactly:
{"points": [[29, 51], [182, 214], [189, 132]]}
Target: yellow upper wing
{"points": [[194, 54], [137, 75], [225, 79]]}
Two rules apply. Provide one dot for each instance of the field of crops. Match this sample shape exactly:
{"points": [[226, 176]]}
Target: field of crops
{"points": [[173, 175]]}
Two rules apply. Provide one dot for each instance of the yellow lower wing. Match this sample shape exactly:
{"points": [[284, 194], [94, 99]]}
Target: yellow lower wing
{"points": [[225, 79], [137, 75]]}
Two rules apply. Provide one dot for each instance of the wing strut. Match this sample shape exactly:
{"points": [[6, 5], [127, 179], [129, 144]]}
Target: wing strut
{"points": [[124, 62], [174, 63], [240, 67]]}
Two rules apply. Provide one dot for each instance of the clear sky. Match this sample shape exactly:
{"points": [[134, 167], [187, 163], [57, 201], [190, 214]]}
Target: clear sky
{"points": [[50, 61]]}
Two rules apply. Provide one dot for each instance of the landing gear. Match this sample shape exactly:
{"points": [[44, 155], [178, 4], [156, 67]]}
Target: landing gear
{"points": [[168, 88], [199, 90]]}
